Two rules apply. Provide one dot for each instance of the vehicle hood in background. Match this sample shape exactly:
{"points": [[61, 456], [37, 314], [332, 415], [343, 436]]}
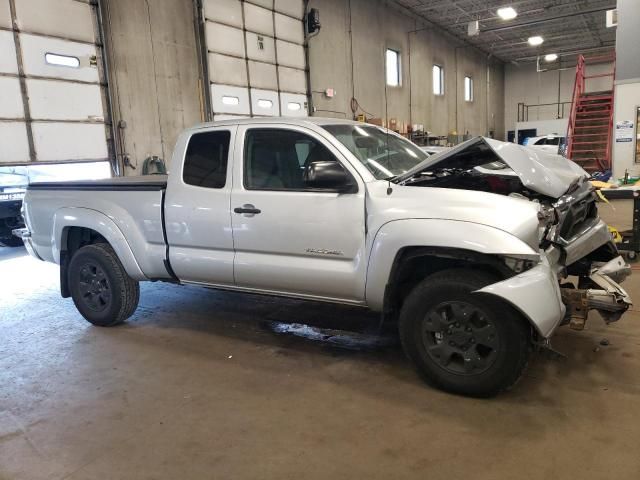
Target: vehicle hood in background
{"points": [[543, 172], [14, 180]]}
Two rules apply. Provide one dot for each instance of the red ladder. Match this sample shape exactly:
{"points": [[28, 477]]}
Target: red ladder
{"points": [[590, 130]]}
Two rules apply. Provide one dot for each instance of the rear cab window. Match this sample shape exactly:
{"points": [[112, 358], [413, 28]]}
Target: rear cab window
{"points": [[206, 159]]}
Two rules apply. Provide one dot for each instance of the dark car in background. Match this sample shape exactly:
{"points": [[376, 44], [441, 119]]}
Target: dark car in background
{"points": [[13, 185]]}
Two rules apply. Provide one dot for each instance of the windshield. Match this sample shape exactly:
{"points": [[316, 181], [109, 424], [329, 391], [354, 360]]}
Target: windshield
{"points": [[384, 154]]}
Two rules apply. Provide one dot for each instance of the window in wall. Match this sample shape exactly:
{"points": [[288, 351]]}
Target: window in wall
{"points": [[393, 68], [205, 163], [275, 159], [468, 89], [438, 80]]}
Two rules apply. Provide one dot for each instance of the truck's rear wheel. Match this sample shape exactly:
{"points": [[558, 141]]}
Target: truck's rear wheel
{"points": [[462, 342], [101, 289]]}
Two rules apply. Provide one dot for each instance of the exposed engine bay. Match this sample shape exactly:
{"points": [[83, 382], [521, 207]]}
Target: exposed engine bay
{"points": [[475, 168]]}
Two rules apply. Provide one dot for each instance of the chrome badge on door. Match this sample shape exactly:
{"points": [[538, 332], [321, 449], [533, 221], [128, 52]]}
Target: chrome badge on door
{"points": [[324, 251]]}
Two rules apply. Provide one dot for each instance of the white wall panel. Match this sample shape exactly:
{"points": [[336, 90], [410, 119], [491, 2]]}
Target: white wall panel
{"points": [[65, 18], [224, 39], [5, 14], [266, 37], [228, 99], [290, 54], [14, 146], [295, 8], [292, 80], [265, 102], [226, 69], [288, 28], [224, 11], [293, 105], [34, 48], [261, 48], [263, 3], [258, 19], [70, 141], [11, 105], [54, 100], [66, 103], [8, 63], [263, 75]]}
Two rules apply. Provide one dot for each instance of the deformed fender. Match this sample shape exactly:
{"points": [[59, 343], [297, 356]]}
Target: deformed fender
{"points": [[88, 218], [536, 294], [425, 232]]}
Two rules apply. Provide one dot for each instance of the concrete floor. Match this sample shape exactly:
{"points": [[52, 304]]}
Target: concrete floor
{"points": [[198, 385]]}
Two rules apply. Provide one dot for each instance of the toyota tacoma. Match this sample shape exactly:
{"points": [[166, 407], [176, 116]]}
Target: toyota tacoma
{"points": [[479, 253]]}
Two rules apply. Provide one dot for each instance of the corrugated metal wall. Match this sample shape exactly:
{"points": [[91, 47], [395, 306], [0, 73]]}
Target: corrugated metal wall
{"points": [[54, 102], [256, 58]]}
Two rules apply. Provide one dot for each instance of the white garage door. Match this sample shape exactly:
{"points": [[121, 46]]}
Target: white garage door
{"points": [[53, 101], [256, 58]]}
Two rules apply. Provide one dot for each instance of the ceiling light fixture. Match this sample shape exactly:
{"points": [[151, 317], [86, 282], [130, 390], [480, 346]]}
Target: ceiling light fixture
{"points": [[507, 13], [550, 57], [535, 41]]}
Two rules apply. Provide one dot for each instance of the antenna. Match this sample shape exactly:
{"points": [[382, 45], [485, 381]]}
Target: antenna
{"points": [[386, 131]]}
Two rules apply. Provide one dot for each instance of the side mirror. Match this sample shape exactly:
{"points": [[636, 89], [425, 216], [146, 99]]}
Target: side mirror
{"points": [[328, 175]]}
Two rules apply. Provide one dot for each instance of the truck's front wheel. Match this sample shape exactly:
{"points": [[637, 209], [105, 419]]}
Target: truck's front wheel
{"points": [[101, 289], [463, 342]]}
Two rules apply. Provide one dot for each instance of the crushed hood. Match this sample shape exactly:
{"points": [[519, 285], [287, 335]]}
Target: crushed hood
{"points": [[542, 172]]}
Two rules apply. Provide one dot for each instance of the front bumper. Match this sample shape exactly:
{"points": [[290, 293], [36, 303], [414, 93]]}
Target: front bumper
{"points": [[536, 293]]}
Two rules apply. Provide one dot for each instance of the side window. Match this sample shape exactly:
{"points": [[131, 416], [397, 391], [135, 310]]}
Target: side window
{"points": [[275, 159], [205, 163]]}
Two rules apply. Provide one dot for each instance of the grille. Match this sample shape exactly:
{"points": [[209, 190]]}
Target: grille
{"points": [[579, 215]]}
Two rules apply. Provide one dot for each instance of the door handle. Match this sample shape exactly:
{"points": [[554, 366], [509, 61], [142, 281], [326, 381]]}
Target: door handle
{"points": [[248, 209]]}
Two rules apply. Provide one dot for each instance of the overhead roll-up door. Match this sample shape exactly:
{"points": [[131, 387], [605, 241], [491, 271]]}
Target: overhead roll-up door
{"points": [[53, 106], [255, 57]]}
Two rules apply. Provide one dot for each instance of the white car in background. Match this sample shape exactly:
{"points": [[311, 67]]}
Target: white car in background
{"points": [[434, 149], [549, 143]]}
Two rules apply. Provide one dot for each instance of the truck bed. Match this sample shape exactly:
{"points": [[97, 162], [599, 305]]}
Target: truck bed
{"points": [[130, 206]]}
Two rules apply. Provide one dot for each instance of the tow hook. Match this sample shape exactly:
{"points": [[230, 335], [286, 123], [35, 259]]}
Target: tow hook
{"points": [[610, 300]]}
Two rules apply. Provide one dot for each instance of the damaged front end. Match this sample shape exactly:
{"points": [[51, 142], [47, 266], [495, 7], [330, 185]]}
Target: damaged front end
{"points": [[587, 254], [580, 268]]}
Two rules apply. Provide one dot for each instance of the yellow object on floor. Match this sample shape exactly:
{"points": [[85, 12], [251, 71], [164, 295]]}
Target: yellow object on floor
{"points": [[617, 238]]}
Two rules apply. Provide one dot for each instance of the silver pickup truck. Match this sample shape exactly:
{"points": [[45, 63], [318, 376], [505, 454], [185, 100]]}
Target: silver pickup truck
{"points": [[479, 253]]}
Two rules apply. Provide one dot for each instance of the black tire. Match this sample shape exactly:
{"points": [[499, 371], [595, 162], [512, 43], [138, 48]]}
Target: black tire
{"points": [[464, 343], [101, 289], [11, 242]]}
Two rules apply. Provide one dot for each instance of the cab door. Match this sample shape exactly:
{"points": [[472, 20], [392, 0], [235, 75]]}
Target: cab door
{"points": [[289, 237], [197, 208]]}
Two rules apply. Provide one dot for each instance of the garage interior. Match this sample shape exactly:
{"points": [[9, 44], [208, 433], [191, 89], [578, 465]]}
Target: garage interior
{"points": [[203, 383]]}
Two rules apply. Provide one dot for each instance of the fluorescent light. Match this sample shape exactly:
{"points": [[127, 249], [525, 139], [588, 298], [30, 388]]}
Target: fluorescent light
{"points": [[227, 100], [507, 13], [550, 57], [535, 41], [61, 60]]}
